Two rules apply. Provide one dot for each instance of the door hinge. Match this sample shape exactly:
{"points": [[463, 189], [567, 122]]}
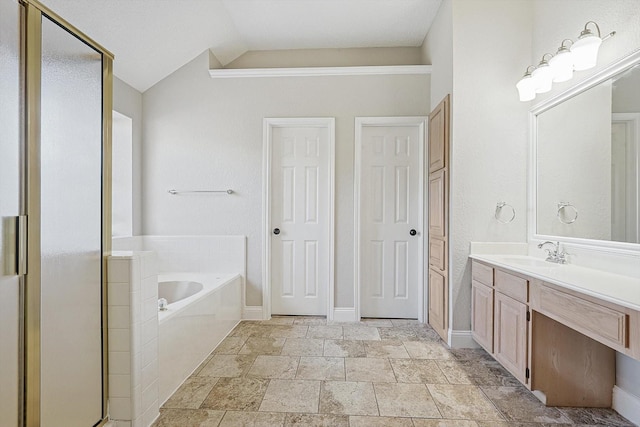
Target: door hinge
{"points": [[528, 316], [527, 373], [21, 251]]}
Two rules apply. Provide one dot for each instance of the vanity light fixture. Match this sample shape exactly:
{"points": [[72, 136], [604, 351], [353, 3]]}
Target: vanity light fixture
{"points": [[571, 56], [543, 75], [526, 86], [562, 63], [585, 49]]}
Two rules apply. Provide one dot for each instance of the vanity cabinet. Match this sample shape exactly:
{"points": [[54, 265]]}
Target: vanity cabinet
{"points": [[558, 341], [499, 317]]}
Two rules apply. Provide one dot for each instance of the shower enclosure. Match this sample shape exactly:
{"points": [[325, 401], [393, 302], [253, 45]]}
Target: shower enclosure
{"points": [[55, 121]]}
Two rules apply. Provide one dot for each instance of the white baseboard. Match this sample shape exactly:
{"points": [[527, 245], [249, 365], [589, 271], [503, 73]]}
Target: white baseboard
{"points": [[252, 312], [342, 314], [461, 339], [626, 404]]}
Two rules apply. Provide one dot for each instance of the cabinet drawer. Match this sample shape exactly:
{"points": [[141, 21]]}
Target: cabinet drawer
{"points": [[438, 253], [482, 273], [514, 286], [604, 324]]}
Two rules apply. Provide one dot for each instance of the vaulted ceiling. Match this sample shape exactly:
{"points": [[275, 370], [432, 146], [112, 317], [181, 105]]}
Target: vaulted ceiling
{"points": [[153, 38]]}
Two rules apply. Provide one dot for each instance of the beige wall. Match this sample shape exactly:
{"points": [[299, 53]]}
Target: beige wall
{"points": [[207, 133]]}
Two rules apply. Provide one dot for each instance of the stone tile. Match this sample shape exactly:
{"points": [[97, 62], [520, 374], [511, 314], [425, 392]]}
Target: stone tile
{"points": [[417, 371], [188, 417], [405, 400], [283, 367], [291, 396], [321, 368], [595, 416], [401, 334], [279, 320], [421, 422], [251, 329], [513, 424], [191, 393], [360, 333], [230, 345], [369, 369], [240, 394], [202, 365], [310, 320], [406, 322], [463, 402], [518, 404], [362, 421], [325, 331], [348, 398], [293, 331], [376, 323], [262, 345], [427, 350], [303, 347], [227, 365], [344, 348], [316, 420], [392, 349], [454, 372], [252, 419], [470, 354]]}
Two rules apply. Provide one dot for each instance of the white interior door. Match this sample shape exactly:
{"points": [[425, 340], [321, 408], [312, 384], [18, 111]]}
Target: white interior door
{"points": [[300, 225], [390, 217]]}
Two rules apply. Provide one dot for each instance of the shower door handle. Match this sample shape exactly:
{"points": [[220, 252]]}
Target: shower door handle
{"points": [[14, 229], [22, 245]]}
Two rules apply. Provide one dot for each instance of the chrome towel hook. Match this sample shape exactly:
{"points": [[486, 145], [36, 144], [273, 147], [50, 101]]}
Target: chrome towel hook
{"points": [[498, 214]]}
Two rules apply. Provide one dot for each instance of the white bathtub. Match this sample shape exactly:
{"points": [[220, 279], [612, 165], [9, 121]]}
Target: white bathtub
{"points": [[192, 326]]}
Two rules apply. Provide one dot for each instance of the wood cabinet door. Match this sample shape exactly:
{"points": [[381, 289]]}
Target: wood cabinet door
{"points": [[482, 315], [438, 204], [510, 335], [439, 136], [438, 303]]}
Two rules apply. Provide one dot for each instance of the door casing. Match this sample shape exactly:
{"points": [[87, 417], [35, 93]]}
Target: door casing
{"points": [[268, 125], [360, 122]]}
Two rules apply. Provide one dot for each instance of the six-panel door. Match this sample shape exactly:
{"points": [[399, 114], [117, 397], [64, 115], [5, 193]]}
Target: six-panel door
{"points": [[299, 212]]}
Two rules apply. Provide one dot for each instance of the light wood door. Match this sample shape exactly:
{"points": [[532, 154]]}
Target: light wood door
{"points": [[439, 136], [390, 218], [299, 220], [510, 335], [438, 307], [482, 315], [438, 217], [438, 204]]}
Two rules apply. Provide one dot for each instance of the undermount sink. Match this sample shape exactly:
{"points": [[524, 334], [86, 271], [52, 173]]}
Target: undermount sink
{"points": [[529, 262]]}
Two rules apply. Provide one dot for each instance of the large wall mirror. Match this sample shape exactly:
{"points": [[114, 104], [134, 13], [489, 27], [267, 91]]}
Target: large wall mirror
{"points": [[585, 180]]}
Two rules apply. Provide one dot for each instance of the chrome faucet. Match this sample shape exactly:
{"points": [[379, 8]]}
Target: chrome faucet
{"points": [[554, 255]]}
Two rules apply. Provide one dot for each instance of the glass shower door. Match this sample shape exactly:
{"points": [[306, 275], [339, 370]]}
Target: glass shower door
{"points": [[71, 229], [10, 147]]}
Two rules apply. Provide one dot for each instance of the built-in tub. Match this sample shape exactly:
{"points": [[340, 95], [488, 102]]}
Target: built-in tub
{"points": [[202, 310]]}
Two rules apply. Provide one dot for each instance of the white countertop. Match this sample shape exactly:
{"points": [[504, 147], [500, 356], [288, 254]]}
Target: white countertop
{"points": [[615, 288]]}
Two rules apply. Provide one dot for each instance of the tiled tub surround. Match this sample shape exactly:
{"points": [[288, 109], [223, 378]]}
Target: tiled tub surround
{"points": [[301, 371], [591, 303], [133, 338], [151, 354]]}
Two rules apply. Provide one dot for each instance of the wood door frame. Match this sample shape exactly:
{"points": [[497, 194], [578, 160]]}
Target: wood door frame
{"points": [[268, 125], [360, 122]]}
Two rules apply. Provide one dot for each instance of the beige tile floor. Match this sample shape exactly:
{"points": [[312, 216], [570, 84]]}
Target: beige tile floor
{"points": [[300, 371]]}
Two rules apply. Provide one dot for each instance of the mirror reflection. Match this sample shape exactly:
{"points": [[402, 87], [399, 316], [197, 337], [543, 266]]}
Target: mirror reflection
{"points": [[587, 163]]}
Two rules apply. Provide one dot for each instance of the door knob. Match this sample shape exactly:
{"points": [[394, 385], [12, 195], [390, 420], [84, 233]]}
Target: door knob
{"points": [[413, 232], [276, 231]]}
